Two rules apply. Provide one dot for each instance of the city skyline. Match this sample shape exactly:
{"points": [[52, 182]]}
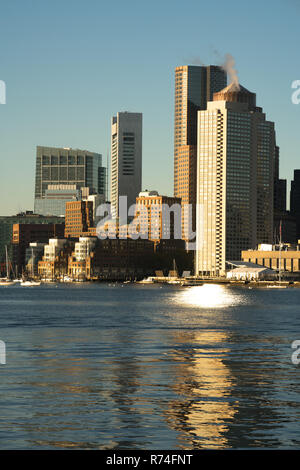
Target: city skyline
{"points": [[46, 107]]}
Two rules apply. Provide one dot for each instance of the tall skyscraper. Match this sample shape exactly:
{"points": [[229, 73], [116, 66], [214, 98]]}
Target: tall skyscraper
{"points": [[66, 166], [194, 86], [295, 200], [280, 186], [284, 221], [126, 159], [235, 178]]}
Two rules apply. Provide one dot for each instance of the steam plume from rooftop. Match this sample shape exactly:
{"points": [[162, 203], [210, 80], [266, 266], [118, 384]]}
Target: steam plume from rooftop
{"points": [[229, 67]]}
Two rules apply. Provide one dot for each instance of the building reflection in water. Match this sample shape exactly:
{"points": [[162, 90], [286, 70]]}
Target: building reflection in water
{"points": [[201, 376], [205, 383]]}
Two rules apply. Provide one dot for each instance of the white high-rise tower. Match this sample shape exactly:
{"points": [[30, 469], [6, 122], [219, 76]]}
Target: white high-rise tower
{"points": [[126, 159], [235, 176]]}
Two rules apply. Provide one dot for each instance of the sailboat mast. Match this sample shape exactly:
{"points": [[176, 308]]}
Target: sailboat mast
{"points": [[32, 274], [280, 244], [107, 176], [7, 264]]}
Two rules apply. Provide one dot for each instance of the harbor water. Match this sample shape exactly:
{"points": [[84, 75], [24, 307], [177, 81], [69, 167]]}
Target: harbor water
{"points": [[126, 366]]}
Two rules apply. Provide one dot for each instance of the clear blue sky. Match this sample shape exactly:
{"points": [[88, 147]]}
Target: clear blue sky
{"points": [[70, 65]]}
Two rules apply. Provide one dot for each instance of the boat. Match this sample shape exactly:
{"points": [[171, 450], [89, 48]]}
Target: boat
{"points": [[281, 284], [29, 283], [6, 281], [148, 280], [277, 286], [174, 281]]}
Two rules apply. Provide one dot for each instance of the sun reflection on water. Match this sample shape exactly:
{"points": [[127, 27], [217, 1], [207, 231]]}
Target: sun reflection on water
{"points": [[209, 295]]}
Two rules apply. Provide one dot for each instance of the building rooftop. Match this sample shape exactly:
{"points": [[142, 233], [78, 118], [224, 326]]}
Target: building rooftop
{"points": [[237, 93]]}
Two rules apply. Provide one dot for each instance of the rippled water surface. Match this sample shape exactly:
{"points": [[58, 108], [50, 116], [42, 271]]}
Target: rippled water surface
{"points": [[101, 366]]}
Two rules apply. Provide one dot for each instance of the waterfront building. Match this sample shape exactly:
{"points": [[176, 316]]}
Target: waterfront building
{"points": [[25, 234], [53, 248], [155, 220], [84, 247], [54, 263], [295, 200], [126, 159], [79, 263], [92, 258], [288, 259], [6, 230], [194, 87], [235, 179], [245, 271], [79, 218], [114, 259], [33, 254], [67, 166]]}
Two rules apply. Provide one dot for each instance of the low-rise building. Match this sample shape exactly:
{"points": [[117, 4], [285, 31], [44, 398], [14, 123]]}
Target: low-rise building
{"points": [[54, 263], [24, 234], [287, 259], [6, 232], [79, 262], [244, 271], [79, 218]]}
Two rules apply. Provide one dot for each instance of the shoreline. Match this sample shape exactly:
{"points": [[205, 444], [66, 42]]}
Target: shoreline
{"points": [[179, 283]]}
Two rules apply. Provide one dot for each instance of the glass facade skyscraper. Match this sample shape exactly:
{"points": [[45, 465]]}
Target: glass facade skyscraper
{"points": [[194, 87], [69, 166], [126, 159], [295, 200]]}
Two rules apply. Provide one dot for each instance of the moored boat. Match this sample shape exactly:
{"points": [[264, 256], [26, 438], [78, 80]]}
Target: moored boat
{"points": [[6, 282], [30, 283], [148, 280], [276, 286]]}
